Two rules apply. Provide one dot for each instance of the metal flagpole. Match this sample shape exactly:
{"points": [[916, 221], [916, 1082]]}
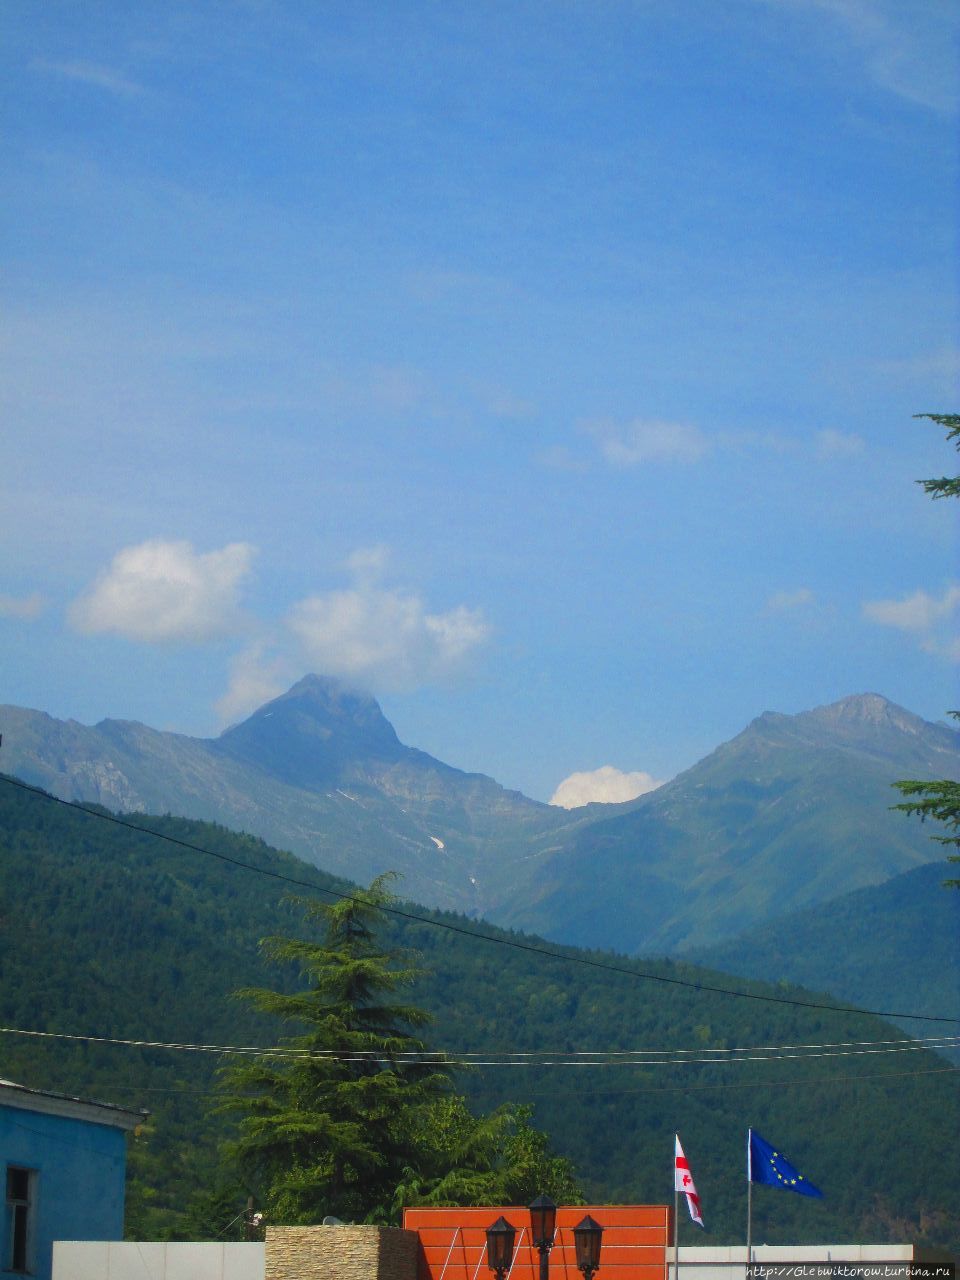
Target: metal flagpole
{"points": [[676, 1213], [749, 1201]]}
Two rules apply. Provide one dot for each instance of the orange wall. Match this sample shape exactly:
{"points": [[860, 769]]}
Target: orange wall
{"points": [[453, 1242]]}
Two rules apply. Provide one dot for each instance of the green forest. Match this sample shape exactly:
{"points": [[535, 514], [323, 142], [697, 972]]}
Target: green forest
{"points": [[113, 933]]}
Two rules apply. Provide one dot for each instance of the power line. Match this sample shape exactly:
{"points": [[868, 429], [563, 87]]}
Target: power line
{"points": [[755, 1084], [750, 1053], [613, 1093], [928, 1041], [471, 933]]}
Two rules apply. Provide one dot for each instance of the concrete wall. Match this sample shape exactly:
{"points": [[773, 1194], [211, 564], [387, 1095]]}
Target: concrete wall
{"points": [[116, 1260], [341, 1253], [79, 1179], [728, 1263], [377, 1253]]}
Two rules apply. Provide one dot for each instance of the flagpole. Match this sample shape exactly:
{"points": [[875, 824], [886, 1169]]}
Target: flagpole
{"points": [[676, 1215], [749, 1200]]}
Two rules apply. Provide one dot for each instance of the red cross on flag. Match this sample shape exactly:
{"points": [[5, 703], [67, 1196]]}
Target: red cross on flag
{"points": [[683, 1181]]}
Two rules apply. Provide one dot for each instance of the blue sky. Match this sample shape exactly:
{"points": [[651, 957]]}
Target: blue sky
{"points": [[548, 369]]}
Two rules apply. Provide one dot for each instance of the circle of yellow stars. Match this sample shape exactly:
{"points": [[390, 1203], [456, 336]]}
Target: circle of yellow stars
{"points": [[790, 1182]]}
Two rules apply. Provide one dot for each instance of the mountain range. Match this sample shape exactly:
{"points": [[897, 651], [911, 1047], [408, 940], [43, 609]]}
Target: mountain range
{"points": [[790, 814], [776, 857], [319, 771]]}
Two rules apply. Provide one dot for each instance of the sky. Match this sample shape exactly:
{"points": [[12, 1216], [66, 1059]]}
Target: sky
{"points": [[548, 370]]}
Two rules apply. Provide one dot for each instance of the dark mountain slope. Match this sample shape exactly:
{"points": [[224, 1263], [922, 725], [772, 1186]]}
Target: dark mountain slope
{"points": [[104, 931], [892, 946]]}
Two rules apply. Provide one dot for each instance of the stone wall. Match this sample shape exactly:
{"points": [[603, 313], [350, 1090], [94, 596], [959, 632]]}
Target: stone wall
{"points": [[341, 1253]]}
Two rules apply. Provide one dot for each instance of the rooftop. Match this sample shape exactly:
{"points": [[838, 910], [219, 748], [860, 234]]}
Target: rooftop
{"points": [[63, 1104]]}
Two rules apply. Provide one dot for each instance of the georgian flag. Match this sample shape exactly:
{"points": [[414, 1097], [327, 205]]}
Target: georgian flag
{"points": [[683, 1181]]}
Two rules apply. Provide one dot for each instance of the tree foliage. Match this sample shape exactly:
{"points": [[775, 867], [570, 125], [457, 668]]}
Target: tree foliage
{"points": [[110, 932], [944, 486], [939, 801], [499, 1158], [361, 1119], [329, 1129]]}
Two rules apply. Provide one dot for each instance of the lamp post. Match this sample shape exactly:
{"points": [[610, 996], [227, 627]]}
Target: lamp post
{"points": [[543, 1222], [500, 1240], [586, 1239]]}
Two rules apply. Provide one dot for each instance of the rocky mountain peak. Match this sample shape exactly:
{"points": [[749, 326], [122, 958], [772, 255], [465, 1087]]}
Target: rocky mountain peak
{"points": [[866, 709], [306, 735], [332, 701], [864, 723]]}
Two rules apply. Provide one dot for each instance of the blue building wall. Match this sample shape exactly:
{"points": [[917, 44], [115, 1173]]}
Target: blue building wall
{"points": [[80, 1179]]}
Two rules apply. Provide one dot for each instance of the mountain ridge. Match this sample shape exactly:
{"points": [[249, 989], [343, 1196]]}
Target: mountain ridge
{"points": [[792, 811], [319, 771]]}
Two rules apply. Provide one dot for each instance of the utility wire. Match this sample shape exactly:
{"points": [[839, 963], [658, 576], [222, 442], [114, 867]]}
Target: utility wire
{"points": [[753, 1084], [614, 1093], [471, 933], [773, 1053]]}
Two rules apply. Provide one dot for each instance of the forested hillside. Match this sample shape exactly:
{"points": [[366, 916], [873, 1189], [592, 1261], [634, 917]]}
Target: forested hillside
{"points": [[107, 932], [900, 946]]}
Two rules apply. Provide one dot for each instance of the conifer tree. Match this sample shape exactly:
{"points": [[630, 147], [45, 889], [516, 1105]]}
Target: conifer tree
{"points": [[938, 800], [332, 1128], [944, 486]]}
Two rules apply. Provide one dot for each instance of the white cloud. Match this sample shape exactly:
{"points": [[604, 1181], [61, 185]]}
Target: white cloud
{"points": [[25, 608], [560, 458], [386, 636], [906, 49], [930, 619], [164, 592], [377, 636], [92, 75], [256, 676], [382, 635], [605, 785], [369, 562], [839, 444], [918, 612], [783, 601], [633, 443]]}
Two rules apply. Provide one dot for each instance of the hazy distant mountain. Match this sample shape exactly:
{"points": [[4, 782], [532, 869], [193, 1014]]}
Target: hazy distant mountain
{"points": [[319, 771], [792, 812]]}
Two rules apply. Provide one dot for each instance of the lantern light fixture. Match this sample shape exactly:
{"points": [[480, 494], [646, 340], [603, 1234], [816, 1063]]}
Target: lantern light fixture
{"points": [[587, 1235], [543, 1222], [500, 1241]]}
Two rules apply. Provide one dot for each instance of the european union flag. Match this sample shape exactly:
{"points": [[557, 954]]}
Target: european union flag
{"points": [[770, 1167]]}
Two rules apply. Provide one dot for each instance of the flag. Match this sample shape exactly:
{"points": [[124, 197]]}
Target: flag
{"points": [[770, 1167], [683, 1181]]}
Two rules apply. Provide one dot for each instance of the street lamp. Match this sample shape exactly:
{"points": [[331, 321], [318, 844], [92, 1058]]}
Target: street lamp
{"points": [[500, 1239], [543, 1221], [586, 1239]]}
